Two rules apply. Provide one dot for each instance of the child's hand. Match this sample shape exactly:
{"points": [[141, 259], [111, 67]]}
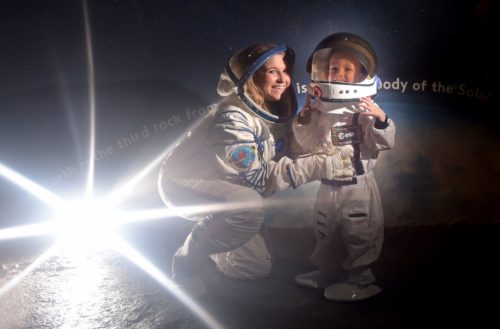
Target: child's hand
{"points": [[370, 108]]}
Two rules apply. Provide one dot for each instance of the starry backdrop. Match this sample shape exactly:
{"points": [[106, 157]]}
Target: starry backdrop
{"points": [[156, 66]]}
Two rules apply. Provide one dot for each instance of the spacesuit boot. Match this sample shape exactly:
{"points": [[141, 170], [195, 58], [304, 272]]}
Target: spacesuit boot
{"points": [[185, 270], [351, 292], [314, 279], [192, 286]]}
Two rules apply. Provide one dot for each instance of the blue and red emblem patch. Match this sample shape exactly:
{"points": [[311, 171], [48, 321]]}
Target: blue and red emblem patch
{"points": [[242, 156]]}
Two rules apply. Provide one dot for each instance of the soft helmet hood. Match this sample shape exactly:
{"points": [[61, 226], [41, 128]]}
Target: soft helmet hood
{"points": [[230, 82]]}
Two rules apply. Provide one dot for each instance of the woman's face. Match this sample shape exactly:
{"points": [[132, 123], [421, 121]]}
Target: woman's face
{"points": [[273, 78]]}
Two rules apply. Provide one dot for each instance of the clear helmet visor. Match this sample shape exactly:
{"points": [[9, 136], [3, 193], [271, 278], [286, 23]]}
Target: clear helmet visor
{"points": [[346, 42], [321, 65], [326, 87]]}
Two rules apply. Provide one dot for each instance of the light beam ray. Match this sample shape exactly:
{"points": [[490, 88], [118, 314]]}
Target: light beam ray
{"points": [[28, 185], [25, 231], [76, 218], [91, 83], [105, 220], [117, 195], [186, 212], [36, 263], [142, 262]]}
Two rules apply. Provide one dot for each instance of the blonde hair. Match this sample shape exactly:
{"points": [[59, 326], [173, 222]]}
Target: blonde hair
{"points": [[240, 62]]}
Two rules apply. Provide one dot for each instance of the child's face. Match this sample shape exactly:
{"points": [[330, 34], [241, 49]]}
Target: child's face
{"points": [[344, 67]]}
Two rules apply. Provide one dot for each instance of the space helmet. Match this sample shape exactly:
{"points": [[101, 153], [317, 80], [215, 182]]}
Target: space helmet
{"points": [[237, 78], [327, 91]]}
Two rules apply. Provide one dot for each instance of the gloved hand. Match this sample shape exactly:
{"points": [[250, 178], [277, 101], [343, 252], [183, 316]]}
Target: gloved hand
{"points": [[337, 165]]}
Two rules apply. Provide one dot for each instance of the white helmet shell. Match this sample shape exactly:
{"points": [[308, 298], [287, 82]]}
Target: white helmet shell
{"points": [[328, 92]]}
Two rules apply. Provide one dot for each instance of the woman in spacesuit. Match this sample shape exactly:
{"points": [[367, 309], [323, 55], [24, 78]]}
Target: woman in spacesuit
{"points": [[231, 161]]}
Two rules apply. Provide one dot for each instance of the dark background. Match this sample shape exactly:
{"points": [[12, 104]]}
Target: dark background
{"points": [[155, 62], [156, 67]]}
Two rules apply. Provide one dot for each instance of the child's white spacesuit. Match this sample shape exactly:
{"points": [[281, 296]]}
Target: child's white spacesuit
{"points": [[230, 160], [348, 216]]}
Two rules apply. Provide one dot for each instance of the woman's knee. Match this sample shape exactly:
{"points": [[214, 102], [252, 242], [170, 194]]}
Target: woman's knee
{"points": [[246, 208]]}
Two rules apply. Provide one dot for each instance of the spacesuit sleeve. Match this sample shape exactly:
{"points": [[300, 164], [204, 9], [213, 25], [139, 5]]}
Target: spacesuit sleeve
{"points": [[239, 150], [378, 135], [294, 173], [307, 134]]}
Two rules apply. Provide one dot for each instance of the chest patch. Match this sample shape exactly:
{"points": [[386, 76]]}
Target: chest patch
{"points": [[242, 157], [347, 135]]}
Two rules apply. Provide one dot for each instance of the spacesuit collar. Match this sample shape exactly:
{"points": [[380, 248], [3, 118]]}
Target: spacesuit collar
{"points": [[343, 92]]}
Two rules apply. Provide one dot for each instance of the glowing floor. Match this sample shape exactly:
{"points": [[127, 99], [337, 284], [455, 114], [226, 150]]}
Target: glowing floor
{"points": [[430, 278]]}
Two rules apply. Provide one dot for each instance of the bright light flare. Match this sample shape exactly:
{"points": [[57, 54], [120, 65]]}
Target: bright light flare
{"points": [[88, 222], [76, 221], [85, 222]]}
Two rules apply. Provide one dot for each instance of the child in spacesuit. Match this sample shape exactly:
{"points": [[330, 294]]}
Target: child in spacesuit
{"points": [[340, 119]]}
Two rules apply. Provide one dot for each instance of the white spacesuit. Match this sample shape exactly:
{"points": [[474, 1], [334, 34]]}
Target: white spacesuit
{"points": [[348, 216], [230, 159]]}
